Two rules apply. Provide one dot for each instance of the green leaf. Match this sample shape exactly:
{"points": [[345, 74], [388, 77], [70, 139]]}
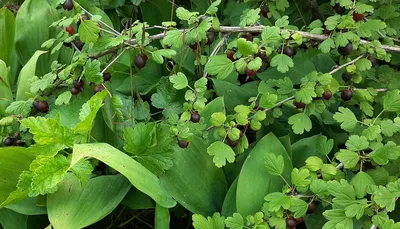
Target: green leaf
{"points": [[391, 101], [246, 47], [298, 207], [179, 81], [82, 171], [305, 95], [235, 222], [254, 181], [138, 175], [324, 146], [22, 108], [219, 65], [300, 178], [88, 112], [372, 132], [221, 153], [277, 200], [7, 31], [48, 131], [319, 187], [274, 164], [185, 14], [26, 76], [213, 8], [167, 98], [75, 206], [341, 191], [249, 17], [271, 35], [88, 31], [348, 158], [363, 64], [268, 100], [92, 71], [356, 210], [173, 38], [162, 218], [382, 155], [158, 55], [47, 173], [6, 96], [300, 122], [64, 98], [347, 118], [282, 22], [314, 163], [361, 181], [327, 45], [218, 119], [215, 222], [14, 161], [384, 198], [328, 171], [255, 64], [388, 127], [356, 142], [283, 62]]}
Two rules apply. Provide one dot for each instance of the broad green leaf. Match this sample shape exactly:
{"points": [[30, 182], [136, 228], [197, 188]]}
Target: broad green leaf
{"points": [[384, 198], [268, 100], [372, 132], [48, 131], [283, 62], [215, 222], [173, 38], [356, 142], [300, 122], [271, 35], [324, 146], [254, 181], [89, 111], [47, 172], [140, 138], [218, 119], [314, 163], [185, 14], [361, 181], [194, 180], [391, 101], [222, 153], [88, 31], [235, 222], [11, 219], [158, 55], [319, 187], [274, 164], [31, 30], [305, 95], [300, 178], [249, 17], [162, 218], [82, 170], [167, 98], [64, 98], [7, 33], [138, 175], [179, 81], [277, 200], [92, 71], [6, 96], [219, 65], [14, 160], [347, 118], [26, 76], [382, 155], [326, 45], [246, 47], [342, 191], [75, 206], [27, 206], [298, 207], [328, 171], [213, 8], [348, 158]]}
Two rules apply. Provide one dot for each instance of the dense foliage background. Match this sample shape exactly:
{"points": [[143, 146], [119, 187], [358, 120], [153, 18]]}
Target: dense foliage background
{"points": [[199, 114]]}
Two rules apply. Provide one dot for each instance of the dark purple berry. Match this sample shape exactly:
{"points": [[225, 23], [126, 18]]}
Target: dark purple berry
{"points": [[9, 141], [346, 50], [250, 73], [79, 44], [106, 76], [339, 9], [231, 143], [291, 222], [248, 36], [195, 117], [183, 144], [327, 95], [312, 207], [68, 5], [346, 95], [264, 11], [140, 61], [20, 143], [372, 60], [210, 38], [230, 55], [78, 84], [43, 106], [346, 76], [299, 105], [98, 88], [75, 91]]}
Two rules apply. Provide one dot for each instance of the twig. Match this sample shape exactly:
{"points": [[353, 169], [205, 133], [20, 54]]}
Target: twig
{"points": [[338, 68], [260, 28], [101, 22], [106, 52], [382, 35], [216, 49], [115, 59], [76, 48], [340, 165], [109, 32]]}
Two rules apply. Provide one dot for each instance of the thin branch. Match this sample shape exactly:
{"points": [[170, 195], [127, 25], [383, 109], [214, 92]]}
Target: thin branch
{"points": [[236, 29], [101, 22], [338, 68], [115, 59], [109, 32], [106, 52], [216, 49]]}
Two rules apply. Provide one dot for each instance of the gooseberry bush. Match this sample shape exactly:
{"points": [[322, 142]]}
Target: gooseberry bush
{"points": [[205, 114]]}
